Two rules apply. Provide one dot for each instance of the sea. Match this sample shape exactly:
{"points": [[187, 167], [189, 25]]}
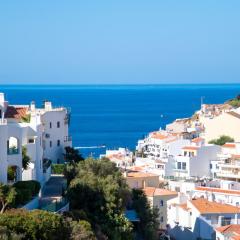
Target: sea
{"points": [[116, 116]]}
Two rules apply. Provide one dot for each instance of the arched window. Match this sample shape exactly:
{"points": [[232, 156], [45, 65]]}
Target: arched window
{"points": [[13, 146]]}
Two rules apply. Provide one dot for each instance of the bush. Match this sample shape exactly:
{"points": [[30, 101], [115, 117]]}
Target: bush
{"points": [[221, 140], [58, 168], [38, 224], [26, 190]]}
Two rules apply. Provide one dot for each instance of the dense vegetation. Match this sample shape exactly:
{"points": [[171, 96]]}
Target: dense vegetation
{"points": [[221, 140], [99, 197], [26, 190], [235, 102], [38, 224], [99, 194], [58, 168]]}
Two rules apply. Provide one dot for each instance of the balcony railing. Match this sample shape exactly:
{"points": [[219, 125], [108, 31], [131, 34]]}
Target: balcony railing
{"points": [[12, 151], [67, 138]]}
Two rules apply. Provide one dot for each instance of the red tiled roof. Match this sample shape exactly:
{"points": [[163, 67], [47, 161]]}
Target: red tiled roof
{"points": [[229, 228], [206, 207], [190, 148], [153, 191], [197, 140], [217, 190], [136, 174], [16, 112], [229, 145]]}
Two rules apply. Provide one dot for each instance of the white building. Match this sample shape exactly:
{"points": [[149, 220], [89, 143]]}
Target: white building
{"points": [[122, 157], [26, 126], [195, 161], [227, 164], [197, 219], [160, 145], [231, 197]]}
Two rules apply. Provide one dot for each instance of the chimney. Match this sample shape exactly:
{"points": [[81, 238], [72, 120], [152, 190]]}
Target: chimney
{"points": [[48, 106], [32, 106]]}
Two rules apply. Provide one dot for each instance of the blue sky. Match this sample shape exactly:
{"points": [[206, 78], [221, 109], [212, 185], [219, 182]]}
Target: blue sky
{"points": [[127, 41]]}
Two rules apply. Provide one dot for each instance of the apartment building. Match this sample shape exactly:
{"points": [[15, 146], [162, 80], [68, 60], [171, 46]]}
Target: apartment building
{"points": [[228, 164], [158, 198], [198, 218], [160, 145], [140, 180], [26, 126], [195, 160]]}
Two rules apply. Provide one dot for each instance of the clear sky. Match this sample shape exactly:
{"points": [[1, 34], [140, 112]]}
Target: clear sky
{"points": [[125, 41]]}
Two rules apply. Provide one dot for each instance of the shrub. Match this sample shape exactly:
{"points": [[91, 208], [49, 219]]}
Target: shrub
{"points": [[58, 168], [221, 140], [38, 224], [26, 190]]}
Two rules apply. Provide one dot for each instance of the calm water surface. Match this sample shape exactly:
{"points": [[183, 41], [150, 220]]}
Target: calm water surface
{"points": [[118, 115]]}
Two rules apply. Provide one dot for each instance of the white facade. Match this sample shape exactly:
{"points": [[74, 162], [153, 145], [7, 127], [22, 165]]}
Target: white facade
{"points": [[197, 219], [25, 126], [195, 161], [160, 145], [122, 157]]}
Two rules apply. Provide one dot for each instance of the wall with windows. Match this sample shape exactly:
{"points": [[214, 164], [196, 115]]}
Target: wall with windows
{"points": [[56, 135]]}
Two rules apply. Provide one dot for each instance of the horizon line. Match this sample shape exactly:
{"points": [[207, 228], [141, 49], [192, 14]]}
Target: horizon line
{"points": [[116, 84]]}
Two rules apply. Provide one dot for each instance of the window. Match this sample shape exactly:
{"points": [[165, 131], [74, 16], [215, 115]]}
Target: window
{"points": [[179, 165], [184, 165], [50, 143], [58, 124], [161, 219], [226, 221], [58, 143], [50, 125], [31, 140], [161, 203], [210, 166]]}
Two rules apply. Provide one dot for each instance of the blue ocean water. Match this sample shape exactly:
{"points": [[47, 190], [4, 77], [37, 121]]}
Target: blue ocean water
{"points": [[118, 115]]}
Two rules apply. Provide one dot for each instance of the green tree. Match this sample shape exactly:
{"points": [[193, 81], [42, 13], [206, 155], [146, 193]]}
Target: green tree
{"points": [[235, 102], [221, 140], [149, 223], [100, 191], [25, 158], [7, 196], [72, 155], [38, 224]]}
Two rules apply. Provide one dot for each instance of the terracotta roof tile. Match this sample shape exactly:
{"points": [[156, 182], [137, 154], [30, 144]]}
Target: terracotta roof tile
{"points": [[217, 190], [205, 207], [229, 228], [190, 148], [136, 174], [229, 145], [16, 112], [152, 191]]}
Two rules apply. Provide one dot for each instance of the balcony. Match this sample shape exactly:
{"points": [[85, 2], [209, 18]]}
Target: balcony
{"points": [[68, 139], [13, 151], [229, 174]]}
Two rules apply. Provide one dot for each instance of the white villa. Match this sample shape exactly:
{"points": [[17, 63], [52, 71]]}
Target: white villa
{"points": [[44, 133], [195, 160], [198, 218], [160, 145]]}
